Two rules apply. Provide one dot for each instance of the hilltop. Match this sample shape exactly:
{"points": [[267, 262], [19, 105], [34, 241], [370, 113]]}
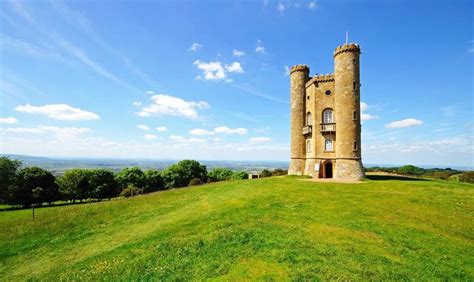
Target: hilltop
{"points": [[274, 228]]}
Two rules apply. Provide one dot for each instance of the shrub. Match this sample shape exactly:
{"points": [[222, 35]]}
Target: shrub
{"points": [[153, 181], [467, 176], [220, 174], [279, 171], [131, 191], [195, 182], [410, 170], [133, 176], [239, 175], [265, 173], [180, 174]]}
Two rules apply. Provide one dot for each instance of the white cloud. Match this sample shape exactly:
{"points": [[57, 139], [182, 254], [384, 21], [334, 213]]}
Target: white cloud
{"points": [[58, 132], [234, 67], [280, 7], [260, 49], [216, 70], [287, 70], [365, 116], [137, 103], [238, 53], [254, 140], [161, 129], [195, 46], [58, 111], [312, 5], [149, 136], [8, 120], [143, 127], [227, 130], [409, 122], [200, 132], [182, 139], [168, 105], [150, 92]]}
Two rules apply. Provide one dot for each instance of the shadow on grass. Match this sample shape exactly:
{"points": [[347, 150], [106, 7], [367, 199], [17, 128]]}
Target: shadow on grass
{"points": [[393, 177]]}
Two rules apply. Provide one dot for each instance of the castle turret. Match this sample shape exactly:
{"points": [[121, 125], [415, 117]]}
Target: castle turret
{"points": [[347, 112], [299, 75]]}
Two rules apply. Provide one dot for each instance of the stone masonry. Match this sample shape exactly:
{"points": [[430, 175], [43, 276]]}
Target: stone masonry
{"points": [[325, 119]]}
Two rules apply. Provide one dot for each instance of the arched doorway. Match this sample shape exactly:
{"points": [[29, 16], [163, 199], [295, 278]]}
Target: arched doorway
{"points": [[325, 169]]}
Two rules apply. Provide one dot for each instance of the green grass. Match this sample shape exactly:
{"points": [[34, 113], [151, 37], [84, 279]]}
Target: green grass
{"points": [[269, 229]]}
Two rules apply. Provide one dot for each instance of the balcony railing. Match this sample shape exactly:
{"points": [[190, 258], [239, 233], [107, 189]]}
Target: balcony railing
{"points": [[307, 129], [328, 127]]}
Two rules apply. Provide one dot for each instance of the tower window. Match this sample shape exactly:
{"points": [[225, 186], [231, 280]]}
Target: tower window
{"points": [[307, 97], [354, 61], [354, 115], [328, 146], [355, 146], [354, 85], [308, 146], [309, 120], [328, 117], [328, 92]]}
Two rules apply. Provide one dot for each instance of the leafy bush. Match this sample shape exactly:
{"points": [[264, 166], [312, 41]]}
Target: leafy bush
{"points": [[467, 176], [195, 182], [102, 184], [220, 174], [153, 181], [8, 177], [180, 174], [279, 171], [74, 184], [133, 176], [239, 175], [265, 173], [131, 191]]}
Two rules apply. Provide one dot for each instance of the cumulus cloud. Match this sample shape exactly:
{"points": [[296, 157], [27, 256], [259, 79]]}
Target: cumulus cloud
{"points": [[287, 70], [182, 139], [161, 129], [260, 49], [254, 140], [137, 103], [143, 127], [312, 5], [238, 53], [195, 46], [216, 70], [365, 116], [58, 132], [227, 130], [58, 111], [280, 7], [149, 136], [409, 122], [169, 105], [8, 120], [200, 132]]}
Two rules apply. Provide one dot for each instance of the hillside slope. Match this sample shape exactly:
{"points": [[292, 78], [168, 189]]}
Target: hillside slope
{"points": [[275, 228]]}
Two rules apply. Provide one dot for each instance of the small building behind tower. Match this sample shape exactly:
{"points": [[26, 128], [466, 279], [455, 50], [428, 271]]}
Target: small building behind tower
{"points": [[325, 119]]}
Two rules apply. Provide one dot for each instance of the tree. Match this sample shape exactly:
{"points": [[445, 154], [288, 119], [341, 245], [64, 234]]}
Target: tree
{"points": [[239, 175], [131, 177], [74, 184], [410, 170], [265, 173], [8, 177], [220, 174], [102, 184], [180, 174], [30, 178], [153, 181]]}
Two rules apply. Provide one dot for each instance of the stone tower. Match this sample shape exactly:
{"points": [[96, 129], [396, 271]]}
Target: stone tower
{"points": [[325, 119]]}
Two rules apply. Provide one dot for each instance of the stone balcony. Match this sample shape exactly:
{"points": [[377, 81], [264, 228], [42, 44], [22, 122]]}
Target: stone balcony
{"points": [[328, 127], [307, 130]]}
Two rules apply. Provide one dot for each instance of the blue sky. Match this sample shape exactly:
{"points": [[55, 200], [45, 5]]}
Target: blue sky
{"points": [[208, 79]]}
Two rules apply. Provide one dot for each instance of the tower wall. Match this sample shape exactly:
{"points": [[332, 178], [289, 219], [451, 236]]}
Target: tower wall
{"points": [[347, 113], [298, 78]]}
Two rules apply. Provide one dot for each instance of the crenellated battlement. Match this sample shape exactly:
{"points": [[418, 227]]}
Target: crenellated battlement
{"points": [[304, 68], [321, 78], [352, 47]]}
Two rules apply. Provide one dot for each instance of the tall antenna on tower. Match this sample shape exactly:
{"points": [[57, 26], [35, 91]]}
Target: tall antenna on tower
{"points": [[347, 37]]}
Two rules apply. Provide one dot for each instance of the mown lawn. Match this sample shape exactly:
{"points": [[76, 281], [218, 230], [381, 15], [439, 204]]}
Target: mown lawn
{"points": [[270, 229]]}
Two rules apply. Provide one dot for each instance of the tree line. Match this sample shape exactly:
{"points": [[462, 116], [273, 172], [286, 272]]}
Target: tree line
{"points": [[27, 186], [433, 173]]}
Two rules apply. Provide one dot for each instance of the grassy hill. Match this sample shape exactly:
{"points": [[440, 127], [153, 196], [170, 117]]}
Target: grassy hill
{"points": [[274, 228]]}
